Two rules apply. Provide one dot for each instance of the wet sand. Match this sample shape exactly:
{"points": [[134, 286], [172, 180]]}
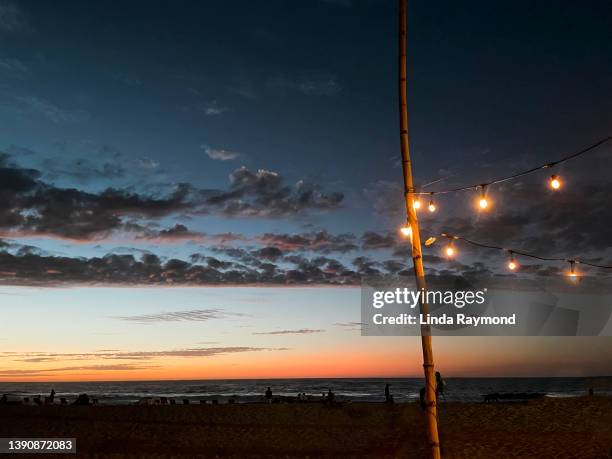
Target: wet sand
{"points": [[555, 428]]}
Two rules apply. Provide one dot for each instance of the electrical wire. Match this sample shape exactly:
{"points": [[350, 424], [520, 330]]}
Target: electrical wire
{"points": [[524, 254], [548, 165]]}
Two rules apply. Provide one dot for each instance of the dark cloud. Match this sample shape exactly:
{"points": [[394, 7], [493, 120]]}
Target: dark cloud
{"points": [[372, 240], [320, 241], [34, 269], [263, 194], [178, 232], [31, 206], [301, 331]]}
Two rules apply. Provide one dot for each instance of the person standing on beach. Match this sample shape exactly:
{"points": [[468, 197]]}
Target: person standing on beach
{"points": [[269, 395], [388, 397], [440, 383]]}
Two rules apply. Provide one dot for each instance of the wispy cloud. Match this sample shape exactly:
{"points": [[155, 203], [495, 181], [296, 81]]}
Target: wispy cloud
{"points": [[316, 84], [126, 79], [301, 331], [12, 18], [220, 154], [46, 371], [194, 315], [131, 355], [350, 326], [13, 68], [212, 108], [38, 106]]}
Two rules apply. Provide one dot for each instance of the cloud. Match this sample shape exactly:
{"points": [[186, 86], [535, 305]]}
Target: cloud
{"points": [[243, 268], [176, 233], [220, 154], [96, 368], [371, 240], [82, 169], [212, 108], [129, 355], [194, 315], [36, 207], [314, 84], [33, 105], [127, 79], [301, 331], [350, 326], [11, 18], [147, 163], [320, 241], [263, 194], [13, 68]]}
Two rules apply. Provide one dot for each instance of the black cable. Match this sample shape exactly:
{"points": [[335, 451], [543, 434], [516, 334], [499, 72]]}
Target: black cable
{"points": [[520, 174], [524, 254]]}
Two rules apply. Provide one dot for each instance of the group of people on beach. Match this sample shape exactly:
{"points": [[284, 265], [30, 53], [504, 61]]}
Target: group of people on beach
{"points": [[303, 397], [326, 398], [82, 399]]}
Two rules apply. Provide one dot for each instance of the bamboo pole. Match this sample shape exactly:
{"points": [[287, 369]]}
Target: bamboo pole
{"points": [[419, 272]]}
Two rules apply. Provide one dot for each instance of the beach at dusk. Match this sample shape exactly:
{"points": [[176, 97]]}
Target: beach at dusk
{"points": [[332, 228]]}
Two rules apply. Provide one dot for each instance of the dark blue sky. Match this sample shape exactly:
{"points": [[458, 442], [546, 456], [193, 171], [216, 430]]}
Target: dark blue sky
{"points": [[142, 96]]}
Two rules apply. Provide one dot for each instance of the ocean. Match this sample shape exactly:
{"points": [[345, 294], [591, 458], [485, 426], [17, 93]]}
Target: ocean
{"points": [[252, 390]]}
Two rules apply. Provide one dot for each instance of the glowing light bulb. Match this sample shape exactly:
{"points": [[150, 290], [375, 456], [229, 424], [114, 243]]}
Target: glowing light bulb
{"points": [[416, 204], [431, 207], [406, 231], [483, 202], [572, 274], [512, 264], [555, 182], [450, 251]]}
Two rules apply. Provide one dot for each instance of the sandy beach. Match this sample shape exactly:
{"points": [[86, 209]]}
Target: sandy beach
{"points": [[555, 428]]}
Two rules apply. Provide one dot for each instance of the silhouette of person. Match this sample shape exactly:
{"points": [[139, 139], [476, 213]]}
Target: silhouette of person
{"points": [[440, 383], [4, 399], [423, 398], [330, 396], [269, 395], [387, 392], [52, 396]]}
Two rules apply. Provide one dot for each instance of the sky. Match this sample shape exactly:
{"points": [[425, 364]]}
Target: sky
{"points": [[195, 189]]}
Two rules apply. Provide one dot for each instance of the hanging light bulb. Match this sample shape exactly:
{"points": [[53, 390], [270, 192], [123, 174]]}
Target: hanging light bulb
{"points": [[432, 206], [416, 204], [555, 182], [483, 202], [512, 264], [572, 274], [450, 249], [406, 231]]}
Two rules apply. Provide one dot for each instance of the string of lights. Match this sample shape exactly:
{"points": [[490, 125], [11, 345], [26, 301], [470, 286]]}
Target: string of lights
{"points": [[555, 183], [483, 203], [513, 264]]}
